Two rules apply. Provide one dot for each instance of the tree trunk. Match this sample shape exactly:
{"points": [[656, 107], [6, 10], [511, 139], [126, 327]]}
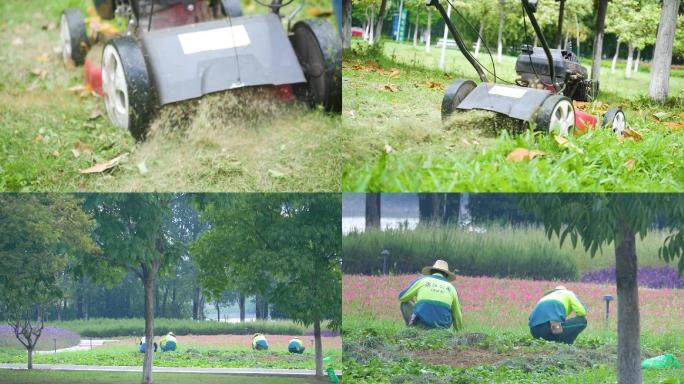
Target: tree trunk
{"points": [[499, 40], [636, 62], [615, 57], [373, 207], [577, 36], [149, 328], [218, 311], [415, 32], [30, 358], [630, 56], [346, 24], [162, 312], [431, 207], [200, 310], [381, 19], [319, 348], [195, 303], [371, 27], [428, 31], [241, 304], [662, 53], [442, 55], [629, 353], [478, 43], [453, 204], [598, 40]]}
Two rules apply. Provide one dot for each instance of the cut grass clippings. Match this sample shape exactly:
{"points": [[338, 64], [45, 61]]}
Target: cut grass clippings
{"points": [[470, 151]]}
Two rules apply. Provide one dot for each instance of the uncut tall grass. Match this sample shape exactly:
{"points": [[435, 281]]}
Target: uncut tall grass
{"points": [[502, 251]]}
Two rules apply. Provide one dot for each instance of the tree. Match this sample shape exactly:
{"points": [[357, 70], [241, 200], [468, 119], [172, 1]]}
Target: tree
{"points": [[596, 220], [346, 23], [373, 210], [134, 232], [39, 232], [662, 54], [381, 20], [291, 241]]}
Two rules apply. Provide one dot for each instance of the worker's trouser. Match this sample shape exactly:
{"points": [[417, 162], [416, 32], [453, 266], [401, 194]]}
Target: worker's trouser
{"points": [[571, 329], [407, 313]]}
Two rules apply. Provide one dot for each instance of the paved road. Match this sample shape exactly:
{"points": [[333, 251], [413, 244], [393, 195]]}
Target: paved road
{"points": [[226, 371], [84, 345]]}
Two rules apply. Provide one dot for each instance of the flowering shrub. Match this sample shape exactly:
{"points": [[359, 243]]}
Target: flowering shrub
{"points": [[491, 304], [652, 277], [65, 338]]}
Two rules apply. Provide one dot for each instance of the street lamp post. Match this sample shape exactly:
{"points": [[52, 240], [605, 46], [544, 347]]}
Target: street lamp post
{"points": [[384, 254], [607, 299]]}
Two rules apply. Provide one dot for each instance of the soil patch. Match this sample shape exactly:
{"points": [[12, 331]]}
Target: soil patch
{"points": [[462, 357]]}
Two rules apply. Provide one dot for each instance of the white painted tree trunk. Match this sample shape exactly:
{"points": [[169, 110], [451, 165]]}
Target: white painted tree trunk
{"points": [[442, 56], [428, 32], [630, 55], [662, 53], [636, 62], [478, 43], [577, 40], [499, 40], [346, 23], [615, 57], [371, 27], [415, 32]]}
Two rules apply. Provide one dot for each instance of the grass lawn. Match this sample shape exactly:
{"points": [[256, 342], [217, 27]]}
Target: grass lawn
{"points": [[224, 142], [395, 139], [495, 345], [64, 377]]}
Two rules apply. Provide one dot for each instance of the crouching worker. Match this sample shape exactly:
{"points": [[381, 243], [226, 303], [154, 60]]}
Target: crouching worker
{"points": [[259, 342], [436, 301], [142, 345], [549, 319], [168, 342], [295, 346]]}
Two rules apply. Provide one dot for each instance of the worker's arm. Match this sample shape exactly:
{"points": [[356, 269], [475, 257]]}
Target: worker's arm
{"points": [[411, 291], [576, 305], [456, 313]]}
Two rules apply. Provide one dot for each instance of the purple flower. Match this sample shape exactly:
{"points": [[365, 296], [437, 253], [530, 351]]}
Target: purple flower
{"points": [[652, 277]]}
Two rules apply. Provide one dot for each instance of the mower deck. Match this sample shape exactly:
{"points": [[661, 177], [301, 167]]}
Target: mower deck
{"points": [[516, 102]]}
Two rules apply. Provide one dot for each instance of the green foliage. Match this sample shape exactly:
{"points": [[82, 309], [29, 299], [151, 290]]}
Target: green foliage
{"points": [[108, 328], [498, 252]]}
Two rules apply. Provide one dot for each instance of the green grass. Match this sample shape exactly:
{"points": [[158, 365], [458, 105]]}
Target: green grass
{"points": [[103, 328], [523, 252], [226, 143], [395, 140], [67, 377]]}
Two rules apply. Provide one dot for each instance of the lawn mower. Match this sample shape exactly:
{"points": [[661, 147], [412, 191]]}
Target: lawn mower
{"points": [[549, 80], [168, 51]]}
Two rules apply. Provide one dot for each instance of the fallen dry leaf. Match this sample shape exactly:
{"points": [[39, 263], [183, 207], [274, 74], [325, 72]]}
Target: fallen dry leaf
{"points": [[394, 73], [629, 164], [388, 148], [660, 116], [101, 167], [76, 88], [97, 113], [520, 154], [49, 26], [39, 72], [44, 58], [38, 138], [80, 148], [675, 125], [389, 87], [632, 134], [55, 153], [17, 42], [434, 85], [561, 140], [579, 104]]}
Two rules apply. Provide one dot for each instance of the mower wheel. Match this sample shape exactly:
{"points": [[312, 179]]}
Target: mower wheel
{"points": [[556, 114], [615, 119], [127, 86], [319, 50], [454, 94], [105, 8], [72, 37]]}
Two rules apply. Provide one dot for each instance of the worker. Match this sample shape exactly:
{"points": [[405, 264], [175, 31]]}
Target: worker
{"points": [[259, 342], [549, 319], [168, 342], [436, 301], [142, 345], [295, 346]]}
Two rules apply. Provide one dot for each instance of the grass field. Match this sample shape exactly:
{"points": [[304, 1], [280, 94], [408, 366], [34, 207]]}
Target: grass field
{"points": [[63, 377], [225, 142], [395, 139], [495, 345], [216, 351]]}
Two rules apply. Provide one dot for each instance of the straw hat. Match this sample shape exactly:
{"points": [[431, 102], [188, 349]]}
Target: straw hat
{"points": [[440, 266], [172, 334]]}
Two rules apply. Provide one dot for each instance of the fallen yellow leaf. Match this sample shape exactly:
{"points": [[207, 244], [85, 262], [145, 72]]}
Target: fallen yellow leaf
{"points": [[55, 153], [629, 164], [561, 140], [675, 125], [520, 154], [394, 73], [632, 134], [390, 87], [38, 138], [101, 167], [44, 58], [434, 85]]}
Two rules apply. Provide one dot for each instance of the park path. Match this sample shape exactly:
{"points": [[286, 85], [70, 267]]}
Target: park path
{"points": [[225, 371], [84, 345]]}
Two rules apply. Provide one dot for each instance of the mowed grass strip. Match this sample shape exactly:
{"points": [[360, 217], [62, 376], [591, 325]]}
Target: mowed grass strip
{"points": [[396, 141]]}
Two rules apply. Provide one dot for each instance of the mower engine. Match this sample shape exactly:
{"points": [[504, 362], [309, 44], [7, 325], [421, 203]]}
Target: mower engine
{"points": [[533, 68]]}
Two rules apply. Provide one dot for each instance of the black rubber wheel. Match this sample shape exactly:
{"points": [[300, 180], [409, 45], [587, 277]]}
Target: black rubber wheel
{"points": [[454, 94], [319, 50], [614, 119], [231, 8], [105, 8], [127, 86], [73, 38], [556, 114]]}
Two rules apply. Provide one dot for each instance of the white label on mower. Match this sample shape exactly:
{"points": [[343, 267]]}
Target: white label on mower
{"points": [[507, 91], [214, 39]]}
